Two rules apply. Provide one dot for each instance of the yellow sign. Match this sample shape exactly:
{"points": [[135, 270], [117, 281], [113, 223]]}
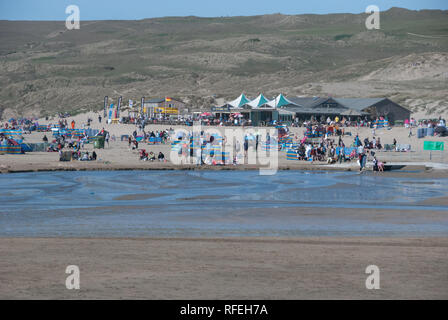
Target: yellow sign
{"points": [[166, 110]]}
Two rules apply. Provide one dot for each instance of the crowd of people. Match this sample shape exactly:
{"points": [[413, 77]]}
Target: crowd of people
{"points": [[325, 143]]}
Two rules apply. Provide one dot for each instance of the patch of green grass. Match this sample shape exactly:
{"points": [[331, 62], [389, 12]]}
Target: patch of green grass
{"points": [[254, 67], [44, 59], [342, 36]]}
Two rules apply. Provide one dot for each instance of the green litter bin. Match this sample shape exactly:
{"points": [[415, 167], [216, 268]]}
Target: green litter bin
{"points": [[99, 143]]}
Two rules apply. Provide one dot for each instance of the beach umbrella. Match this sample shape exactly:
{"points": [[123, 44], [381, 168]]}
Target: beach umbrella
{"points": [[206, 114]]}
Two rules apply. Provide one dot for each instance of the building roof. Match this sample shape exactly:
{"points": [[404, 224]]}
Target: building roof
{"points": [[346, 106], [160, 100], [156, 100], [308, 102], [358, 104]]}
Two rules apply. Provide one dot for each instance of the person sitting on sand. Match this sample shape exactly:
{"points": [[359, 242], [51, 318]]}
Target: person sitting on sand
{"points": [[45, 139], [161, 156], [143, 155], [85, 156], [378, 144], [94, 156], [366, 143], [151, 156]]}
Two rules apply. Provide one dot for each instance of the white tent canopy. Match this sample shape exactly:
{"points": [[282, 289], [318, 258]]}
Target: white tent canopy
{"points": [[280, 101], [239, 102], [258, 101]]}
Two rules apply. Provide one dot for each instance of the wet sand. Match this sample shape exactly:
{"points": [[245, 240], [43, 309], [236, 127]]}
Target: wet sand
{"points": [[140, 196], [231, 268], [18, 165], [438, 201]]}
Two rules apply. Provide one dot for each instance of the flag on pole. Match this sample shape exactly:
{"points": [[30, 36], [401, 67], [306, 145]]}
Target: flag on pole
{"points": [[118, 107], [110, 111], [141, 107], [105, 106]]}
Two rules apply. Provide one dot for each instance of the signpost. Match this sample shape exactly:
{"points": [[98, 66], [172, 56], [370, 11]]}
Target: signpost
{"points": [[166, 110], [433, 146]]}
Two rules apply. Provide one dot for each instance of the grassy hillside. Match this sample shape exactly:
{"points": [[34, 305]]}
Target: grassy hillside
{"points": [[46, 68]]}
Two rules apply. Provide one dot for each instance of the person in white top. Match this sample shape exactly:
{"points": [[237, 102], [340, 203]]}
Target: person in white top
{"points": [[360, 149], [308, 150]]}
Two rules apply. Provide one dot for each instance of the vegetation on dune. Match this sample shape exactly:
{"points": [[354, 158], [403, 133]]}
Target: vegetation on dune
{"points": [[46, 68]]}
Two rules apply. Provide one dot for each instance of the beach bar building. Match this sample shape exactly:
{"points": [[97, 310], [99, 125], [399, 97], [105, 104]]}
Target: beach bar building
{"points": [[376, 107], [272, 110], [239, 105], [370, 108], [159, 107], [262, 110]]}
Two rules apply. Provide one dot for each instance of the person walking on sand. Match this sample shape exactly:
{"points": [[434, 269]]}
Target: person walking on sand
{"points": [[362, 157], [73, 124], [237, 148], [246, 146], [107, 138], [257, 138]]}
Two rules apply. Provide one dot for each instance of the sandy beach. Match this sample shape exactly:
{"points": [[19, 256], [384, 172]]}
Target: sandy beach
{"points": [[311, 268], [235, 267], [118, 156]]}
